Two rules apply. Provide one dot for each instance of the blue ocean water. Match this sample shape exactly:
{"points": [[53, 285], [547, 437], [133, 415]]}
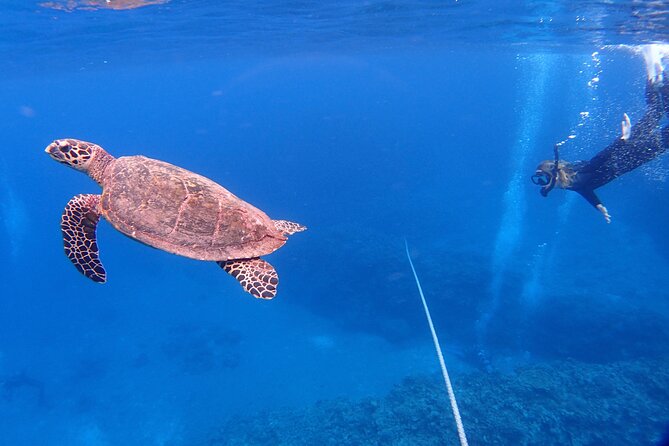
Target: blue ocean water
{"points": [[370, 123]]}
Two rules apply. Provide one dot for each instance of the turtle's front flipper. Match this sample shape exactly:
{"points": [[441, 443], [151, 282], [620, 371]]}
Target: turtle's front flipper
{"points": [[78, 224], [255, 275]]}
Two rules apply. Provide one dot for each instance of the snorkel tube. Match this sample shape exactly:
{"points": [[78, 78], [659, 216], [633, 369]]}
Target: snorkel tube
{"points": [[551, 184]]}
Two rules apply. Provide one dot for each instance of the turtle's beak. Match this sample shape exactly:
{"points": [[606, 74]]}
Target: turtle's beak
{"points": [[55, 150]]}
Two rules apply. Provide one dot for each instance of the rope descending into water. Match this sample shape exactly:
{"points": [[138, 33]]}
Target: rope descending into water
{"points": [[447, 380]]}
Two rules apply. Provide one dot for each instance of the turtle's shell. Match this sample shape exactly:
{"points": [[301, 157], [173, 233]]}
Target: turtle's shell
{"points": [[184, 213]]}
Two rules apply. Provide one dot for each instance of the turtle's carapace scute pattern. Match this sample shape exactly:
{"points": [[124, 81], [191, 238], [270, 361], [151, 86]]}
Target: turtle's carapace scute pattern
{"points": [[256, 276], [78, 223], [179, 211]]}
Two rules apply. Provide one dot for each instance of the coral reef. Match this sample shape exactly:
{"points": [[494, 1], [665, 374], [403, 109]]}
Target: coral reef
{"points": [[557, 403]]}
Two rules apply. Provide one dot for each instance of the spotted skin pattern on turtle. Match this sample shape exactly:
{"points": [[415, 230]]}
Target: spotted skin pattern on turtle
{"points": [[78, 224], [288, 227], [256, 276], [74, 152]]}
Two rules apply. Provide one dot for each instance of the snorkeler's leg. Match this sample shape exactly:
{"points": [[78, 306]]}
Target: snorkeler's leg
{"points": [[664, 97], [655, 109], [652, 55], [656, 57], [637, 147], [626, 127], [664, 139]]}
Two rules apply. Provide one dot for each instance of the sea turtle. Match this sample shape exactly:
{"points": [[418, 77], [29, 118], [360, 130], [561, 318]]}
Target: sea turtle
{"points": [[169, 208], [90, 5]]}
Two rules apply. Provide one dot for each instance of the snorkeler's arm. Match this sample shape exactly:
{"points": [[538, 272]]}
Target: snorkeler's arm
{"points": [[601, 208], [594, 200]]}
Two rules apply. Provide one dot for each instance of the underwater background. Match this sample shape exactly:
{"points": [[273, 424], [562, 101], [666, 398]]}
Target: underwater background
{"points": [[371, 123]]}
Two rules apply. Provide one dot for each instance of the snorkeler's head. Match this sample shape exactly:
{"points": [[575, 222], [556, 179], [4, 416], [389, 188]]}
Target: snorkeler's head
{"points": [[545, 176]]}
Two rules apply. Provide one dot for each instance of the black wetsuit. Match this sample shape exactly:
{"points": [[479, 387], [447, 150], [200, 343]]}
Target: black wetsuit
{"points": [[644, 144]]}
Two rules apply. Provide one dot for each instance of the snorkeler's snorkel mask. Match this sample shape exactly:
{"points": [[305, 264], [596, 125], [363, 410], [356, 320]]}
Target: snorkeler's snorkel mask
{"points": [[545, 178], [541, 178]]}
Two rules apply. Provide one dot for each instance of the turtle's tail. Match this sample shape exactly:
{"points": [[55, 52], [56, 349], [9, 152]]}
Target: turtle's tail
{"points": [[288, 227]]}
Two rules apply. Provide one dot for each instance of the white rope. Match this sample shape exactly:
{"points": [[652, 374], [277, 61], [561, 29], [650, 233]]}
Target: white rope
{"points": [[447, 380]]}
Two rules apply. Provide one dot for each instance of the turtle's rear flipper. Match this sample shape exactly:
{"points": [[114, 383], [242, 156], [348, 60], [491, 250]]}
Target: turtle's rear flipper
{"points": [[288, 227], [78, 224], [255, 275]]}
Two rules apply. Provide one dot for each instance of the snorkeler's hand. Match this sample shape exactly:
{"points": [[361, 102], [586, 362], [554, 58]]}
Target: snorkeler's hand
{"points": [[626, 126], [605, 212]]}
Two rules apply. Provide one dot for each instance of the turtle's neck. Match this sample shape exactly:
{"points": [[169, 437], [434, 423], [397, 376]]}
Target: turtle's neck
{"points": [[99, 164]]}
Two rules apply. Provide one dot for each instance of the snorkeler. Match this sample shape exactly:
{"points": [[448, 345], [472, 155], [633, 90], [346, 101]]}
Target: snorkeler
{"points": [[637, 145]]}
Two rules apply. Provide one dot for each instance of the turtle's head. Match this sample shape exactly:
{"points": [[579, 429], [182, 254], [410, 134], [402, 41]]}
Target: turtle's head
{"points": [[72, 152], [81, 155]]}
